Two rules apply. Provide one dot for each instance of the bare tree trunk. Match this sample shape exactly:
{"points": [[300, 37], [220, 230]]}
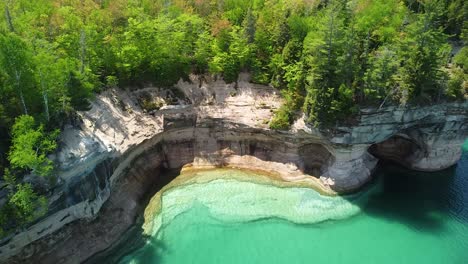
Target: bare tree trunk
{"points": [[330, 38], [350, 67], [386, 97], [18, 86], [8, 18], [331, 28], [44, 96], [46, 105], [25, 109], [83, 50], [64, 95]]}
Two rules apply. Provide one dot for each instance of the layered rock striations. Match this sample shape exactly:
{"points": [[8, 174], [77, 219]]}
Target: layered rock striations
{"points": [[421, 138], [111, 162]]}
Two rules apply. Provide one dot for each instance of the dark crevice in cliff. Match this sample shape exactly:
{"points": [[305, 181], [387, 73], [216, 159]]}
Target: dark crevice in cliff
{"points": [[158, 163], [316, 158], [134, 237], [399, 148]]}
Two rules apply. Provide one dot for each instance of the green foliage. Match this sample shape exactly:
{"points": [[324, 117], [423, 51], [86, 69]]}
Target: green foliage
{"points": [[331, 70], [148, 104], [158, 50], [203, 53], [379, 78], [379, 20], [79, 87], [231, 60], [112, 81], [328, 58], [30, 145], [457, 13], [9, 178], [17, 67], [422, 54], [457, 86], [282, 118], [372, 52], [461, 59], [332, 55], [294, 99], [22, 207], [26, 204]]}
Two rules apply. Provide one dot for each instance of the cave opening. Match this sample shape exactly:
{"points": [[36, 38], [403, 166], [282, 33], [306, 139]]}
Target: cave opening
{"points": [[400, 149], [315, 158]]}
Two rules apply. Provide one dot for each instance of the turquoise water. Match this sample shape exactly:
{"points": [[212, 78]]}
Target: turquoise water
{"points": [[404, 217]]}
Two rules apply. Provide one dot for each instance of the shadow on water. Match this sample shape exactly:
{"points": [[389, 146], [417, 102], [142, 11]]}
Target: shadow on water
{"points": [[421, 200], [142, 247], [458, 197]]}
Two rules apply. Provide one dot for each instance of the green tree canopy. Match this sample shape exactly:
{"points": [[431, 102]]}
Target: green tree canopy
{"points": [[30, 146]]}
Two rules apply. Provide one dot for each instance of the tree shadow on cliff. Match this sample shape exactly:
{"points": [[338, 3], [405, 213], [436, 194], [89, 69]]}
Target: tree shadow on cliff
{"points": [[419, 200], [133, 246], [143, 248], [149, 250]]}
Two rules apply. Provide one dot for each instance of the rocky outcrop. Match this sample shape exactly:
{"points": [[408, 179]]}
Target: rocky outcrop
{"points": [[112, 162], [421, 138]]}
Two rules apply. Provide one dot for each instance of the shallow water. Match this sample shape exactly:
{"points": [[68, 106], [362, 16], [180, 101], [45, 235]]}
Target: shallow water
{"points": [[403, 217]]}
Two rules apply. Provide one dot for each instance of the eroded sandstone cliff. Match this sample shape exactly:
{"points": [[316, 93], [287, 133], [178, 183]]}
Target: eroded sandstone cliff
{"points": [[113, 160]]}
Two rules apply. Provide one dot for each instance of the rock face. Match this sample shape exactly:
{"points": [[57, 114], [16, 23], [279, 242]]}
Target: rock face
{"points": [[112, 162], [424, 138]]}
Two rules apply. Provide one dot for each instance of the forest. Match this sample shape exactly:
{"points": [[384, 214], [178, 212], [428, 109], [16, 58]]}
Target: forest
{"points": [[328, 58]]}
